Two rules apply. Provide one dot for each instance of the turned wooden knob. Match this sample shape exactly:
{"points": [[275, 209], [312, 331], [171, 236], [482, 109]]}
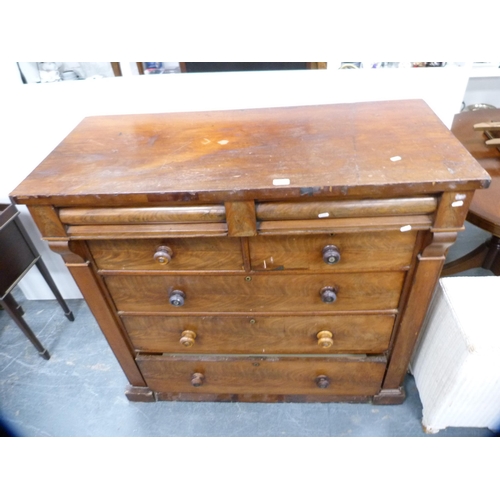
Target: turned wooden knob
{"points": [[187, 339], [328, 294], [331, 254], [197, 379], [325, 339], [322, 381], [163, 255], [177, 298]]}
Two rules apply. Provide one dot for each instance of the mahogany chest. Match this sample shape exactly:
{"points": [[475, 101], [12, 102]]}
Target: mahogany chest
{"points": [[284, 254]]}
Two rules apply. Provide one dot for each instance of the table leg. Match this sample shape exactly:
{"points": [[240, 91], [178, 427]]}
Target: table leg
{"points": [[15, 312], [48, 278]]}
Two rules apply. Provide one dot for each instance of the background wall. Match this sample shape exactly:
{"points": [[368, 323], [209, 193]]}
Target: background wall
{"points": [[36, 117]]}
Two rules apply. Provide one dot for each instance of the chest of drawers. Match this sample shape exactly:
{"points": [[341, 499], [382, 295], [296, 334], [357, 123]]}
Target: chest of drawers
{"points": [[284, 254]]}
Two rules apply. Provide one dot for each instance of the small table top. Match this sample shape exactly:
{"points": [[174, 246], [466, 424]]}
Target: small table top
{"points": [[484, 211]]}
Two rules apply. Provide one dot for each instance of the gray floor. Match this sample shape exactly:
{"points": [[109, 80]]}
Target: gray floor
{"points": [[80, 390]]}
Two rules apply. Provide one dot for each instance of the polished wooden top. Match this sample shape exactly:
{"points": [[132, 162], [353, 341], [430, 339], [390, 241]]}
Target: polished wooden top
{"points": [[484, 211], [365, 149]]}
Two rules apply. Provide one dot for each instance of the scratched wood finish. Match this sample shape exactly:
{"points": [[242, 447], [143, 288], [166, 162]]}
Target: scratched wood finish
{"points": [[187, 254], [347, 376], [237, 155], [143, 215], [391, 250], [359, 334], [264, 292], [341, 209]]}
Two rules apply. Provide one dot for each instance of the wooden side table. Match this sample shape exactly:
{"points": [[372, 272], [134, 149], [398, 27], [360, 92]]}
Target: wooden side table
{"points": [[484, 211], [17, 256]]}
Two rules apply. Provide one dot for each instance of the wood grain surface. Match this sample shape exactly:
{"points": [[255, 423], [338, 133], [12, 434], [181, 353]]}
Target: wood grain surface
{"points": [[143, 215], [260, 334], [306, 151], [188, 254], [263, 292], [272, 375], [239, 206], [336, 209], [390, 250]]}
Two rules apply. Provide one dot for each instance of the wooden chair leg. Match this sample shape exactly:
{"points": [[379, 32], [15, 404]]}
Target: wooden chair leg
{"points": [[486, 256], [470, 261], [13, 309], [492, 259]]}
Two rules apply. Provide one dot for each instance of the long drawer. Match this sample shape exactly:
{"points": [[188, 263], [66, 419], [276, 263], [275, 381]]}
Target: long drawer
{"points": [[260, 334], [256, 292], [343, 375]]}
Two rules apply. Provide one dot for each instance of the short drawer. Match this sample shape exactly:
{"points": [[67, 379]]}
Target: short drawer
{"points": [[343, 375], [256, 292], [363, 334], [368, 251], [168, 254]]}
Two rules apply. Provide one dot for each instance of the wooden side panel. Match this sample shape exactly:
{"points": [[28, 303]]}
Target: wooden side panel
{"points": [[424, 283], [257, 293], [108, 323], [261, 334], [345, 376]]}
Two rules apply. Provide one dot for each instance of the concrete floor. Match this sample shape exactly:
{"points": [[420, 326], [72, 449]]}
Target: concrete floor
{"points": [[80, 390]]}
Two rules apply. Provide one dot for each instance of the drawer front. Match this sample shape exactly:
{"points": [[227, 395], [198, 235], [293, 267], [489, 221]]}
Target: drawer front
{"points": [[264, 375], [372, 251], [256, 293], [173, 254], [260, 334]]}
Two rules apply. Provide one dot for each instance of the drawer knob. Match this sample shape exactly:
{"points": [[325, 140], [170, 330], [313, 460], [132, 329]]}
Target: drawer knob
{"points": [[187, 339], [331, 254], [322, 381], [325, 339], [197, 379], [328, 294], [163, 255], [177, 298]]}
